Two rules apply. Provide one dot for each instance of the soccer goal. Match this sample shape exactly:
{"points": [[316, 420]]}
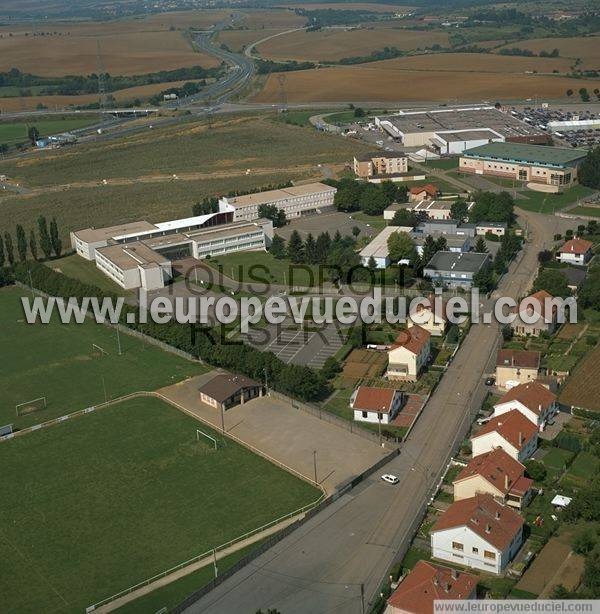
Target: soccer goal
{"points": [[98, 350], [21, 409], [201, 434]]}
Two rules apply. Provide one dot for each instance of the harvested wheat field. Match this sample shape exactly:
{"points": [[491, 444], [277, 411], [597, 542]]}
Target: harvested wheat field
{"points": [[237, 40], [335, 44], [588, 49], [350, 6], [122, 54], [256, 19], [368, 83]]}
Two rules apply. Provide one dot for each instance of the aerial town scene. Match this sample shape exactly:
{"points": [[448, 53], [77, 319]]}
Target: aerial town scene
{"points": [[300, 306]]}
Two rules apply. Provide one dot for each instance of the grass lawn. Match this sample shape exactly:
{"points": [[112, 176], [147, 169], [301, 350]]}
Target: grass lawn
{"points": [[580, 471], [557, 459], [57, 361], [583, 210], [16, 132], [78, 268], [549, 203], [376, 221], [104, 501], [444, 163], [413, 556], [262, 267], [300, 117]]}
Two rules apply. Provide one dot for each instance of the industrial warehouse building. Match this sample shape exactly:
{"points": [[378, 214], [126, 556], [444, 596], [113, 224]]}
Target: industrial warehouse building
{"points": [[553, 166], [139, 255], [380, 164], [452, 130], [295, 201]]}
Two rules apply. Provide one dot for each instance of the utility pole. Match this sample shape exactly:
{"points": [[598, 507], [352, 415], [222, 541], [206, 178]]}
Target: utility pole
{"points": [[104, 388], [266, 381], [315, 465], [362, 598]]}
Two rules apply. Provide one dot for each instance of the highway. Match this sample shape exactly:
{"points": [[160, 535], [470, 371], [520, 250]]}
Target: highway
{"points": [[336, 561]]}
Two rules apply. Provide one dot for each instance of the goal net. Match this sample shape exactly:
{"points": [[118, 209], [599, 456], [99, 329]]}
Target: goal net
{"points": [[29, 407], [98, 350], [208, 439]]}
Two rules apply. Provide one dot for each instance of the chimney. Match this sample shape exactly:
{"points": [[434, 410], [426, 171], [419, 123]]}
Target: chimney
{"points": [[520, 438], [506, 481], [497, 515], [454, 574], [488, 528]]}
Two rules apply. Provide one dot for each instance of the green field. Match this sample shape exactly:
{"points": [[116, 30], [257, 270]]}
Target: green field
{"points": [[444, 163], [107, 500], [57, 361], [13, 133], [260, 268], [549, 203], [583, 210], [78, 268]]}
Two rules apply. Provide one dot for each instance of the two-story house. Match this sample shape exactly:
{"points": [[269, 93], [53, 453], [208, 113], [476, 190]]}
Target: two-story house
{"points": [[376, 405], [514, 367], [535, 314], [495, 473], [576, 251], [479, 532], [533, 400], [512, 432], [431, 316], [409, 354]]}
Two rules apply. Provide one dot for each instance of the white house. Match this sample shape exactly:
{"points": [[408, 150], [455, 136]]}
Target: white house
{"points": [[432, 316], [532, 399], [576, 251], [409, 354], [377, 249], [479, 533], [512, 432], [376, 405]]}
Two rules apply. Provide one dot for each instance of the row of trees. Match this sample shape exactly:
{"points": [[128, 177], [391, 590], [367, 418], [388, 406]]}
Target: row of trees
{"points": [[589, 171], [370, 198], [47, 239]]}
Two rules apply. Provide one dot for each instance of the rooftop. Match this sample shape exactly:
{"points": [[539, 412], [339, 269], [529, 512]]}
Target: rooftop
{"points": [[464, 262], [512, 426], [429, 188], [131, 255], [532, 395], [230, 230], [491, 225], [559, 157], [97, 235], [378, 248], [427, 582], [367, 157], [576, 246], [413, 339], [261, 198], [374, 399], [523, 359], [492, 521], [225, 385], [468, 135]]}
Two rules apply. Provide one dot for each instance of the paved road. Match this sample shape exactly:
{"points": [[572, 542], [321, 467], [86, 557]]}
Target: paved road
{"points": [[348, 548]]}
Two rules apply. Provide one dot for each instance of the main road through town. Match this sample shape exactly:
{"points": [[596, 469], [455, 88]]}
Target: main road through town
{"points": [[336, 561]]}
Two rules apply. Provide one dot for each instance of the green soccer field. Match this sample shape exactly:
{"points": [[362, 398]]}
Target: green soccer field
{"points": [[106, 500], [57, 361]]}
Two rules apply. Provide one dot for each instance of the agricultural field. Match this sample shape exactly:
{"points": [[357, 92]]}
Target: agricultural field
{"points": [[59, 362], [334, 44], [583, 387], [343, 83], [258, 19], [238, 40], [12, 133], [586, 49], [104, 501], [348, 6]]}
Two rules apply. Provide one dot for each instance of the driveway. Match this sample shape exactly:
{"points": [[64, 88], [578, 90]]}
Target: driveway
{"points": [[290, 436]]}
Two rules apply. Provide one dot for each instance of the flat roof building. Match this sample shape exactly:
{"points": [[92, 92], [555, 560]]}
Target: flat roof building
{"points": [[294, 201], [555, 166], [455, 270]]}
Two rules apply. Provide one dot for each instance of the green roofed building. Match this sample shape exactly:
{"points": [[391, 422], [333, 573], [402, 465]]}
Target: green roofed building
{"points": [[553, 166]]}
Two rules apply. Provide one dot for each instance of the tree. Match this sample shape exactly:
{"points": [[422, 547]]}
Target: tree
{"points": [[553, 282], [8, 246], [404, 217], [442, 244], [544, 256], [480, 246], [2, 254], [589, 171], [273, 213], [355, 231], [45, 242], [295, 248], [322, 247], [430, 249], [459, 210], [372, 264], [33, 134], [55, 238], [589, 293], [310, 249], [401, 247], [492, 207], [390, 191], [569, 92], [347, 196], [21, 243], [535, 470], [358, 112], [591, 572], [33, 244], [277, 248], [484, 279], [372, 200], [584, 541]]}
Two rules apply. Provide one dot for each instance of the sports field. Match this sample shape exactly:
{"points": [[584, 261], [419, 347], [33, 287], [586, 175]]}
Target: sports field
{"points": [[104, 501], [58, 362], [16, 132]]}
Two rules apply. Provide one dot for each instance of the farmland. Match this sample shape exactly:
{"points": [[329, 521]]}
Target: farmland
{"points": [[16, 132], [583, 387], [386, 82], [335, 44], [58, 361], [255, 151], [106, 500]]}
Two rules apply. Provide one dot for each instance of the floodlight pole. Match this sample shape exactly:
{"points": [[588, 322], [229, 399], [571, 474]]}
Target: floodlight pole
{"points": [[215, 562], [315, 465], [104, 388], [222, 418], [30, 282], [118, 339]]}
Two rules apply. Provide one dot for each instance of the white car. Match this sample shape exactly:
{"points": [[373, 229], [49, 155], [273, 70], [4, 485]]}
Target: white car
{"points": [[389, 478]]}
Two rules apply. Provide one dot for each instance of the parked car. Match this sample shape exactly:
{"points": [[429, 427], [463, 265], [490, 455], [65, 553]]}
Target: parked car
{"points": [[490, 381], [389, 478]]}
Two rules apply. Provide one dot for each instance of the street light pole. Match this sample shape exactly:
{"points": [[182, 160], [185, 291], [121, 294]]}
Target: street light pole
{"points": [[315, 465], [222, 418]]}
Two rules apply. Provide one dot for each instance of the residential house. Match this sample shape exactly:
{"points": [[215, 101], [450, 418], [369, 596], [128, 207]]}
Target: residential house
{"points": [[423, 192], [495, 473], [512, 432], [576, 251], [514, 367], [532, 399], [376, 405], [432, 316], [380, 163], [227, 389], [409, 354], [536, 314], [478, 532], [426, 583]]}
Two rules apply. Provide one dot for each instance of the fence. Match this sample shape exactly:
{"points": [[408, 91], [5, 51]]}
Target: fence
{"points": [[327, 416]]}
